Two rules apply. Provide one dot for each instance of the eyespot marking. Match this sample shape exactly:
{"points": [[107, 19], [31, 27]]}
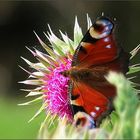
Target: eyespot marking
{"points": [[106, 39], [108, 46], [97, 108], [93, 33]]}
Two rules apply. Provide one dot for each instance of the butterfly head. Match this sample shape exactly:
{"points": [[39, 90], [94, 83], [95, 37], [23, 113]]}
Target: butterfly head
{"points": [[101, 28]]}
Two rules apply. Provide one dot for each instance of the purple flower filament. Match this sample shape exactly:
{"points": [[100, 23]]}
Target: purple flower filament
{"points": [[57, 91]]}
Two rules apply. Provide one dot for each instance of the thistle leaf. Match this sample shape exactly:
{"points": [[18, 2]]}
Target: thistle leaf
{"points": [[36, 100], [133, 69], [69, 43], [37, 75], [38, 113], [32, 82], [78, 35], [34, 94], [126, 105], [50, 51], [43, 59], [57, 50], [33, 90], [135, 51], [31, 51], [36, 66], [89, 23], [137, 124], [34, 74], [58, 45]]}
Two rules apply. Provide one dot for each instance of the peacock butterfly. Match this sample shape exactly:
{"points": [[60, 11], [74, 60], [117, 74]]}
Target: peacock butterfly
{"points": [[96, 55]]}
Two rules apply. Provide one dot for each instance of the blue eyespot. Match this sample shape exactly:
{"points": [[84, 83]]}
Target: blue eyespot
{"points": [[103, 27], [105, 23]]}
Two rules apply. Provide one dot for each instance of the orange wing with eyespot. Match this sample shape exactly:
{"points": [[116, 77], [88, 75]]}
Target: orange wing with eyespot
{"points": [[98, 52], [88, 100]]}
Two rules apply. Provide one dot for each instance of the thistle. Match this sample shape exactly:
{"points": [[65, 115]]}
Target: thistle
{"points": [[51, 86]]}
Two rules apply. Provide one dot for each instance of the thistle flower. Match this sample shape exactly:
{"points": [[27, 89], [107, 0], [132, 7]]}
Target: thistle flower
{"points": [[56, 87], [51, 85]]}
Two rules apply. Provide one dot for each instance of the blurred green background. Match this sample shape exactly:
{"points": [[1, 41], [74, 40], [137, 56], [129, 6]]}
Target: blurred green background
{"points": [[18, 19]]}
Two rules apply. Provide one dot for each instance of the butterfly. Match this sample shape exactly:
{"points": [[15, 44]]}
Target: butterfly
{"points": [[90, 93]]}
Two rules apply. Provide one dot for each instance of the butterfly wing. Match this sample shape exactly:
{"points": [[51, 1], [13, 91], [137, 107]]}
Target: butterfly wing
{"points": [[98, 46], [88, 100], [98, 52], [120, 64]]}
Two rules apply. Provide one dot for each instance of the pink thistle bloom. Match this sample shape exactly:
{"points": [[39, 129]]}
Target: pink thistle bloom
{"points": [[57, 91], [52, 87]]}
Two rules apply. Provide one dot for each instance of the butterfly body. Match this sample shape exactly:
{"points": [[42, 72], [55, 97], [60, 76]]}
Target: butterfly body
{"points": [[96, 55]]}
